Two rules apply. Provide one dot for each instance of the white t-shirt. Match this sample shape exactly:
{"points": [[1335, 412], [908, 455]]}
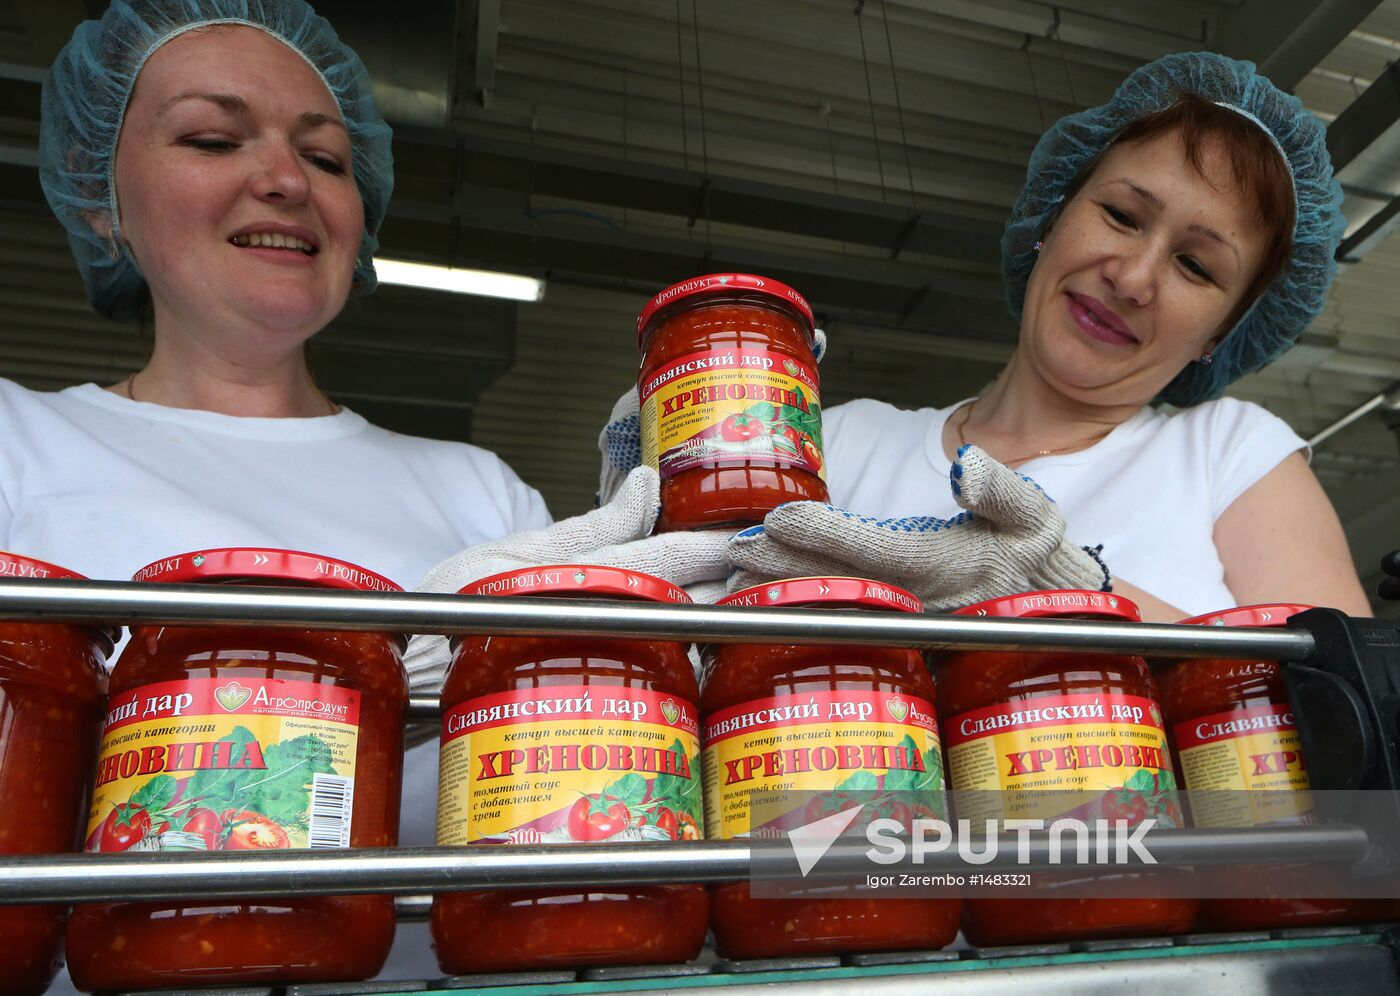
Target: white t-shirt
{"points": [[104, 485], [1150, 492]]}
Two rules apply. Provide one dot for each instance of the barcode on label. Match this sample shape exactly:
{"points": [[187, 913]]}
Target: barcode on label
{"points": [[332, 797]]}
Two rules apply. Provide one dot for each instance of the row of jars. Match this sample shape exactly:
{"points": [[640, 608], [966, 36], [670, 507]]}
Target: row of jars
{"points": [[215, 738]]}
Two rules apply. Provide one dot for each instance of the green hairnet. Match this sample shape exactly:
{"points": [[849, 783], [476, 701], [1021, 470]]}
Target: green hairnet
{"points": [[1294, 297], [85, 98]]}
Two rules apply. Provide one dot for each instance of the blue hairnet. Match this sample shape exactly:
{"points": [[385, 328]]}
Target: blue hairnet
{"points": [[85, 98], [1296, 294]]}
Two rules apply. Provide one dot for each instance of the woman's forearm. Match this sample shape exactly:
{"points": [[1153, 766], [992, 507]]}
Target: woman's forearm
{"points": [[1153, 608]]}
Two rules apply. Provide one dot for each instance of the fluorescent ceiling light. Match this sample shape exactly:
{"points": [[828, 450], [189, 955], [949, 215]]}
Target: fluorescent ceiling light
{"points": [[486, 283]]}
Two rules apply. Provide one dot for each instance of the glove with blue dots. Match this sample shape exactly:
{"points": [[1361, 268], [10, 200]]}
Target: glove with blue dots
{"points": [[1011, 538], [617, 535]]}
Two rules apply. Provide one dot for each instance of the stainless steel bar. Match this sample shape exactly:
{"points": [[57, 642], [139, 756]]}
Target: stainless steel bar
{"points": [[414, 871], [408, 908], [128, 603]]}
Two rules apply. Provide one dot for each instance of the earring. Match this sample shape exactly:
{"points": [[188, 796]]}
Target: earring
{"points": [[1205, 359], [1037, 245]]}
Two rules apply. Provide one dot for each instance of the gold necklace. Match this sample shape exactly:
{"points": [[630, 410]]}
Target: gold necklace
{"points": [[967, 414], [331, 407]]}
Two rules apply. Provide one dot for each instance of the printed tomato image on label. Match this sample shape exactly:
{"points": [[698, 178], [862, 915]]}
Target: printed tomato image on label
{"points": [[1104, 756], [731, 406], [211, 764], [568, 763], [876, 748], [1253, 758]]}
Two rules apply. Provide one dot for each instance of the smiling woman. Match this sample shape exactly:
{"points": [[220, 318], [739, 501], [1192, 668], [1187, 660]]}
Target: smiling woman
{"points": [[220, 166], [255, 250], [1165, 244]]}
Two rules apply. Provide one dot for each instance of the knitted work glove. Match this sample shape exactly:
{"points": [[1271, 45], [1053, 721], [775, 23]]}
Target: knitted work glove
{"points": [[616, 535], [620, 442], [1010, 539]]}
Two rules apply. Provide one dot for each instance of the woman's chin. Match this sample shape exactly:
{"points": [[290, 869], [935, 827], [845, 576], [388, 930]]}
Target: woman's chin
{"points": [[296, 312]]}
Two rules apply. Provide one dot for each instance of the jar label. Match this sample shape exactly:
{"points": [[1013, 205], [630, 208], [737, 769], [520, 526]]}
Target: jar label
{"points": [[226, 764], [1244, 767], [1083, 756], [568, 763], [726, 406], [864, 743]]}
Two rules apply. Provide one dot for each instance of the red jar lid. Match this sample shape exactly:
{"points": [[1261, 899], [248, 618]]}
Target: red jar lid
{"points": [[1249, 615], [262, 564], [12, 565], [1060, 603], [830, 593], [579, 579], [724, 283]]}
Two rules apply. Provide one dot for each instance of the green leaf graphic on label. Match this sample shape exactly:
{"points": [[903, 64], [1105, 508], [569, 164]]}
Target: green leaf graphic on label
{"points": [[762, 411], [858, 781], [1140, 781], [898, 708], [791, 367], [912, 780], [933, 770], [217, 788], [282, 792], [631, 788], [809, 422], [274, 780], [681, 794], [155, 795], [671, 711]]}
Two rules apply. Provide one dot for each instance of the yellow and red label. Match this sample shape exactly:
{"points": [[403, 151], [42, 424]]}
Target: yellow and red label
{"points": [[226, 764], [864, 744], [730, 406], [567, 763], [1084, 756], [1244, 767]]}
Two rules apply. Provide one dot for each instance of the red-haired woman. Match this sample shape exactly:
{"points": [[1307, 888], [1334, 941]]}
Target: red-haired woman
{"points": [[1165, 244]]}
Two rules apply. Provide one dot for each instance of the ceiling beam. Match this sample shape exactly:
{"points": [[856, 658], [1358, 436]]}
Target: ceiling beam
{"points": [[488, 35], [1377, 229], [1287, 38], [1365, 119], [487, 233], [691, 194]]}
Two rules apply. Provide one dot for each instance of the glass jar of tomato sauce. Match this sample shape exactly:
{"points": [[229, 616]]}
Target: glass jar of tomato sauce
{"points": [[1239, 754], [53, 685], [731, 412], [820, 719], [241, 739], [569, 739], [1060, 735]]}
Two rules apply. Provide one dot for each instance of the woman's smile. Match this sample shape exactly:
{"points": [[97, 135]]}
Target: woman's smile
{"points": [[275, 242], [1098, 320]]}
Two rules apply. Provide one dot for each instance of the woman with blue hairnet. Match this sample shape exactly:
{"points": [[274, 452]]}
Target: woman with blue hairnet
{"points": [[1165, 244], [220, 166]]}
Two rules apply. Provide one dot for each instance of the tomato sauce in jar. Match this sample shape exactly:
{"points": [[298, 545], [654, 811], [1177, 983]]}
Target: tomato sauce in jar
{"points": [[1234, 739], [731, 412], [240, 738], [859, 701], [569, 739], [1109, 761], [53, 686]]}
